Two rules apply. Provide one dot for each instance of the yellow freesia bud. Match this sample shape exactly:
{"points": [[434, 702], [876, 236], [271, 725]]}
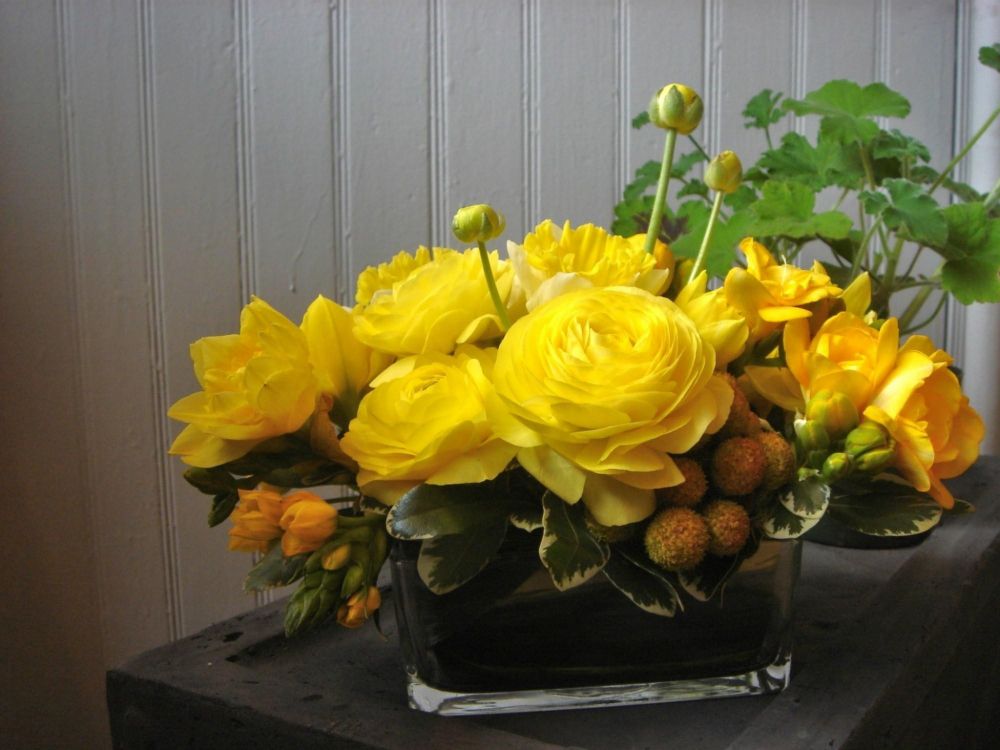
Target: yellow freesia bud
{"points": [[867, 436], [359, 607], [835, 411], [256, 520], [308, 522], [836, 467], [478, 223], [875, 460], [336, 558], [676, 107], [811, 435], [724, 173]]}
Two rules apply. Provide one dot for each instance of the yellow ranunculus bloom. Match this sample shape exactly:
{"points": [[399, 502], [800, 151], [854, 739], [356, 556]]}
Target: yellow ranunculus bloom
{"points": [[937, 432], [723, 327], [769, 293], [386, 275], [436, 306], [256, 385], [429, 418], [308, 521], [608, 382], [552, 261], [343, 365]]}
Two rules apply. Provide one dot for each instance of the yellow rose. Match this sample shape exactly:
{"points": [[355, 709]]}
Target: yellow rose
{"points": [[937, 432], [256, 385], [608, 382], [429, 419], [552, 261], [343, 365], [768, 293], [436, 306], [723, 327], [308, 521]]}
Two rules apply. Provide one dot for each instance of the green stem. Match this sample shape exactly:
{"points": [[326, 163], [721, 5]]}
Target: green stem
{"points": [[965, 149], [840, 200], [699, 262], [993, 197], [914, 307], [917, 326], [698, 146], [661, 190], [913, 261], [886, 288], [767, 136], [491, 283]]}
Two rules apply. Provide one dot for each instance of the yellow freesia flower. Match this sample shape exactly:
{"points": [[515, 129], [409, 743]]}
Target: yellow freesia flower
{"points": [[937, 432], [723, 327], [256, 520], [552, 261], [606, 383], [436, 306], [429, 418], [768, 293], [256, 385], [308, 521], [343, 365]]}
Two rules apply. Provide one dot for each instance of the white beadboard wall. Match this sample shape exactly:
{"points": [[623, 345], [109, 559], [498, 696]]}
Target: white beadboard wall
{"points": [[162, 160]]}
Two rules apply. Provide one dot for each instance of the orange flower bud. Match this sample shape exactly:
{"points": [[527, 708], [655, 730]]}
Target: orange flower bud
{"points": [[359, 607], [308, 522]]}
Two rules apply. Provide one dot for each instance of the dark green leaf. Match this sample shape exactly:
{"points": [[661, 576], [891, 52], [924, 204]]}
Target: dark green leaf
{"points": [[570, 553], [786, 209], [640, 119], [973, 279], [847, 109], [807, 498], [647, 590], [893, 144], [827, 163], [990, 56], [430, 510], [742, 197], [210, 481], [527, 517], [762, 110], [446, 562], [780, 523], [222, 507], [884, 508], [274, 569], [961, 508], [910, 209], [709, 577], [926, 176], [695, 187], [682, 165], [646, 177]]}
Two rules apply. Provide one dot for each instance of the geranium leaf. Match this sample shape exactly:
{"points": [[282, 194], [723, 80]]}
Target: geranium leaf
{"points": [[893, 144], [695, 187], [570, 553], [910, 209], [817, 166], [925, 175], [762, 110], [807, 498], [884, 508], [990, 56], [274, 569], [973, 279], [647, 590], [847, 109], [429, 510], [786, 209], [446, 562], [682, 165], [640, 119]]}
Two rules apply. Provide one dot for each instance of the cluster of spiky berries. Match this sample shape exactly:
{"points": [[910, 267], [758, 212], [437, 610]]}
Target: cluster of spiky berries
{"points": [[708, 512]]}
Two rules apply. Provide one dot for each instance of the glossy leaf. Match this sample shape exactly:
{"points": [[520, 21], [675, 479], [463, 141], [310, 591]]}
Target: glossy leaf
{"points": [[222, 507], [438, 510], [885, 508], [780, 523], [807, 498], [274, 569], [570, 553], [446, 562], [709, 578], [648, 591]]}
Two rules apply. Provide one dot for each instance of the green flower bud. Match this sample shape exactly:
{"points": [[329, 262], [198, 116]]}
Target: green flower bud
{"points": [[811, 435], [836, 466], [867, 436], [676, 107], [874, 461], [353, 580], [724, 173], [835, 411], [479, 223]]}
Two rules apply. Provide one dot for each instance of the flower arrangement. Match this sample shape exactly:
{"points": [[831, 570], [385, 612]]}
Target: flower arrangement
{"points": [[598, 391]]}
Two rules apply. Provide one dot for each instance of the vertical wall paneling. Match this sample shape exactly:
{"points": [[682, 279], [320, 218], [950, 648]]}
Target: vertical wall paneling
{"points": [[123, 418], [437, 125], [390, 173], [530, 92], [665, 43], [245, 149], [193, 98], [289, 150], [576, 109], [481, 102], [52, 671], [340, 149]]}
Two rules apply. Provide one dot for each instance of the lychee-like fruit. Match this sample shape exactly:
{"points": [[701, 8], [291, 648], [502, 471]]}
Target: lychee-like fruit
{"points": [[779, 460], [728, 527], [738, 466], [691, 490], [677, 538], [742, 422]]}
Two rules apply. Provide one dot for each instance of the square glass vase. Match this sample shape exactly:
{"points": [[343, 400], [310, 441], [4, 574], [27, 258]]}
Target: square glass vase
{"points": [[508, 641]]}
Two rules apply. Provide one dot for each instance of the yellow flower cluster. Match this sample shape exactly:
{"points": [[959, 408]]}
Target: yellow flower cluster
{"points": [[302, 520]]}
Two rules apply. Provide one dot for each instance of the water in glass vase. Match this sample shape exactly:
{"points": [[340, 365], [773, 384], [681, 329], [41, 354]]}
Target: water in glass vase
{"points": [[509, 641]]}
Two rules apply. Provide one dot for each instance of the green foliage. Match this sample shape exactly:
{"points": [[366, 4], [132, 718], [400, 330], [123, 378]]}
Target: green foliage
{"points": [[884, 508], [847, 109], [894, 144], [908, 208], [796, 511], [972, 253], [568, 550], [722, 247], [990, 56], [826, 163], [762, 110], [274, 569], [641, 583], [786, 210], [708, 579], [429, 511], [446, 562]]}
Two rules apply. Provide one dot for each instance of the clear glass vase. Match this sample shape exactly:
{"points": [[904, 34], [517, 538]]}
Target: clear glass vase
{"points": [[509, 641]]}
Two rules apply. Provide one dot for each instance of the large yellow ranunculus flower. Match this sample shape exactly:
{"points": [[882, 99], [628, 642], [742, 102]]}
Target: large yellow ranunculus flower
{"points": [[343, 365], [607, 382], [435, 306], [385, 275], [552, 261], [723, 327], [256, 385], [432, 419], [937, 432], [769, 293]]}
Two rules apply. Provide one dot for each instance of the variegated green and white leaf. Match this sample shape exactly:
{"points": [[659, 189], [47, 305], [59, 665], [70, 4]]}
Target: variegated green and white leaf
{"points": [[568, 550], [807, 498], [527, 518], [886, 509], [429, 511], [780, 523], [646, 590], [709, 578], [446, 562]]}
